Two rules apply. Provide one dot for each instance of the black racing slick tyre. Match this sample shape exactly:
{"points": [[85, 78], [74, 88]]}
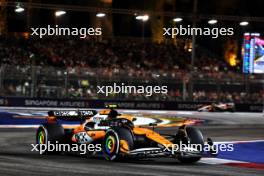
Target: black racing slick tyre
{"points": [[47, 136], [195, 137], [113, 143]]}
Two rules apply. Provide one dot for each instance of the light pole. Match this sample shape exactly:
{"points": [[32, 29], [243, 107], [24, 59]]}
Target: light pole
{"points": [[193, 49], [58, 14], [143, 18]]}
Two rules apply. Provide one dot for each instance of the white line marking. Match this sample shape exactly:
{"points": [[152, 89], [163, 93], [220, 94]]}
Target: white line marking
{"points": [[129, 111], [235, 142], [158, 112], [218, 161]]}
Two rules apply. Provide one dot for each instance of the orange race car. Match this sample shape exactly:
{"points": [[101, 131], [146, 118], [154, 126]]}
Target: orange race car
{"points": [[116, 137]]}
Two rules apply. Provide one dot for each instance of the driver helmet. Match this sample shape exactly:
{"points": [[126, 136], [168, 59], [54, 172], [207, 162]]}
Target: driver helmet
{"points": [[112, 114]]}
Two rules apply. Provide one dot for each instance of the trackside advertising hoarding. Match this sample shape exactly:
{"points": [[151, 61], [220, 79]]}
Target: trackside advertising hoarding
{"points": [[155, 105]]}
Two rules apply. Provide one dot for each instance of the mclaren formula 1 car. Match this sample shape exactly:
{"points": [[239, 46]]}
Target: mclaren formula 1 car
{"points": [[217, 107], [118, 137]]}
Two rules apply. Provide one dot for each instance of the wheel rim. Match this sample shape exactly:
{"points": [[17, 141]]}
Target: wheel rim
{"points": [[110, 144], [41, 137]]}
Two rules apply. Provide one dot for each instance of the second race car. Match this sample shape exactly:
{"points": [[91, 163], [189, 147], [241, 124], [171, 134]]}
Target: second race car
{"points": [[217, 107]]}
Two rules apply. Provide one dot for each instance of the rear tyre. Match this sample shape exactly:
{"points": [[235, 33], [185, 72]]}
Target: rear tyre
{"points": [[195, 137], [49, 133], [112, 143]]}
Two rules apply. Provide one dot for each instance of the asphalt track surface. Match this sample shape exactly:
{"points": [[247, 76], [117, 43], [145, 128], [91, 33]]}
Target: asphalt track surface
{"points": [[16, 157]]}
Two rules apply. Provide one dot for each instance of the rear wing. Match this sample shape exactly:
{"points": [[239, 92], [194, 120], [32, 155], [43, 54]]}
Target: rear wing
{"points": [[72, 115]]}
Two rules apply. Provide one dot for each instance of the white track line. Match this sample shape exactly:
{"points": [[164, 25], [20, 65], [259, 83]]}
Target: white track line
{"points": [[234, 142], [218, 161]]}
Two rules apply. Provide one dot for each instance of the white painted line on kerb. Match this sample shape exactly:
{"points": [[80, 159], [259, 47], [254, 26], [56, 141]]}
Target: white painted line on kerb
{"points": [[218, 161], [235, 142]]}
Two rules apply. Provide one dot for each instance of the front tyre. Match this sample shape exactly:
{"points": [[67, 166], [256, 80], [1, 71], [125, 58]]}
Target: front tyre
{"points": [[195, 137], [111, 145], [117, 142]]}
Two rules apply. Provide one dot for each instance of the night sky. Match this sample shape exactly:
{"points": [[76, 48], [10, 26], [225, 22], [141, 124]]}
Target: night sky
{"points": [[126, 25]]}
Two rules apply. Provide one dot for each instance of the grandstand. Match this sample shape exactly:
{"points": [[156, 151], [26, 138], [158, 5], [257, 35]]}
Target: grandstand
{"points": [[73, 67], [88, 63]]}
